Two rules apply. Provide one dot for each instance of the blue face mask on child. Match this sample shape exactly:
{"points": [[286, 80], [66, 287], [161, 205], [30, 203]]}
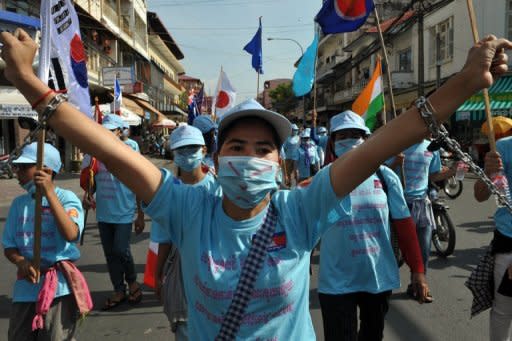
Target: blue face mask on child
{"points": [[247, 180], [30, 187], [188, 159], [343, 146]]}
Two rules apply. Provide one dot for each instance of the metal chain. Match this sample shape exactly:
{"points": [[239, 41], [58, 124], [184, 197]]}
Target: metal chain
{"points": [[31, 137], [455, 147]]}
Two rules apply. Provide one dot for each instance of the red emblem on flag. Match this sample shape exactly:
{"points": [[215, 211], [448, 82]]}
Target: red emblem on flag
{"points": [[278, 241], [222, 100], [350, 9]]}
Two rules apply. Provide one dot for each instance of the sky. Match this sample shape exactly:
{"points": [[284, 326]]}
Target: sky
{"points": [[212, 33]]}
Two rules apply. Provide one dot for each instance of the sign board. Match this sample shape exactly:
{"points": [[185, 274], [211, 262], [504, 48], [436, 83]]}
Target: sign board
{"points": [[16, 110], [126, 75]]}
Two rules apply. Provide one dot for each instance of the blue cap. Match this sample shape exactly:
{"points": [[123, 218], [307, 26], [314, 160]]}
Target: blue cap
{"points": [[348, 120], [204, 123], [251, 108], [112, 122], [322, 130], [306, 133], [51, 157], [125, 125], [186, 136], [295, 127]]}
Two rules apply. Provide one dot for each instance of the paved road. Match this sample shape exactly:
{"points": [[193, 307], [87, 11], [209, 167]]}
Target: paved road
{"points": [[446, 319]]}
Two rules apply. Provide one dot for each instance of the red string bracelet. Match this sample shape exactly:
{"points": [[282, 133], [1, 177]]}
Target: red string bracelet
{"points": [[41, 99]]}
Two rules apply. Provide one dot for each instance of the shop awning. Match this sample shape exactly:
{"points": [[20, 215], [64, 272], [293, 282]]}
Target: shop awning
{"points": [[500, 94], [14, 105], [158, 116]]}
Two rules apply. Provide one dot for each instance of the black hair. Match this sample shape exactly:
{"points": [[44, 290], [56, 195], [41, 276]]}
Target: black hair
{"points": [[209, 141], [225, 132]]}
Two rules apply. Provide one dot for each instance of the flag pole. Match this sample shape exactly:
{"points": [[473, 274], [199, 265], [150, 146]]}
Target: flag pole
{"points": [[487, 101], [388, 71], [315, 114], [257, 85]]}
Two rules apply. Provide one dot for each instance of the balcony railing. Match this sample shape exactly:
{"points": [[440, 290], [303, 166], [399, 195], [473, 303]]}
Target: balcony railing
{"points": [[96, 61], [110, 13]]}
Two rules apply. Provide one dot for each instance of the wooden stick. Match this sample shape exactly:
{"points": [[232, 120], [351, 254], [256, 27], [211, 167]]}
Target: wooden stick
{"points": [[487, 101], [388, 71], [36, 260]]}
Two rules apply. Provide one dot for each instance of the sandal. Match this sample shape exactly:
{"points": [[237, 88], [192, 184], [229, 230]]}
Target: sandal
{"points": [[112, 303], [135, 296]]}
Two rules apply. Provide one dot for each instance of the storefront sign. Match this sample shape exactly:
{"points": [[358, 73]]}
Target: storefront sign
{"points": [[16, 110], [125, 75]]}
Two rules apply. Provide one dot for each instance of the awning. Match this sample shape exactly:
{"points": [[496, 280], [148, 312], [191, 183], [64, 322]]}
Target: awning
{"points": [[151, 109], [14, 105], [19, 19], [165, 123], [500, 94]]}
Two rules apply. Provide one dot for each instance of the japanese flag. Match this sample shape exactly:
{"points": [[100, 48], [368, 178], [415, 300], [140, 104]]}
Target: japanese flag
{"points": [[225, 95]]}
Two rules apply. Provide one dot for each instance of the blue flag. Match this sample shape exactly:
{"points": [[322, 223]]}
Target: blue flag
{"points": [[199, 100], [304, 77], [338, 16], [254, 48], [193, 111]]}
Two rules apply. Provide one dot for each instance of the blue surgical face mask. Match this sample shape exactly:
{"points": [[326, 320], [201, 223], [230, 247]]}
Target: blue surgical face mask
{"points": [[30, 187], [246, 180], [343, 146], [188, 159]]}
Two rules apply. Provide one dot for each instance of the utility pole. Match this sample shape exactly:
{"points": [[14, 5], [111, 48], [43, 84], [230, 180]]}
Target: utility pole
{"points": [[421, 50], [438, 60]]}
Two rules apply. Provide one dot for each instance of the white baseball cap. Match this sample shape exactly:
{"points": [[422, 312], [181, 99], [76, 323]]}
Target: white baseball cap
{"points": [[348, 120], [186, 136], [51, 157], [251, 108]]}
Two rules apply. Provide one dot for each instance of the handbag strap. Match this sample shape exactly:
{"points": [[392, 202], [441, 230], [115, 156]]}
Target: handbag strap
{"points": [[252, 266]]}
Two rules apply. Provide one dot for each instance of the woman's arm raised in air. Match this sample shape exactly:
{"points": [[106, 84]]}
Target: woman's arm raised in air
{"points": [[486, 61], [131, 168]]}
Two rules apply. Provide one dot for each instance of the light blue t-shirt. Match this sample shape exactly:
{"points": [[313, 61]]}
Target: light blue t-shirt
{"points": [[134, 145], [322, 142], [115, 203], [158, 233], [356, 253], [502, 217], [213, 246], [419, 163], [19, 234], [290, 147], [303, 167]]}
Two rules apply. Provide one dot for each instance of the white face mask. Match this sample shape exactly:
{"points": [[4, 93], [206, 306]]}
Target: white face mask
{"points": [[343, 146]]}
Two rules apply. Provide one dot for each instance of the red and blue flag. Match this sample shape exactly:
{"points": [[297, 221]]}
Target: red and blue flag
{"points": [[337, 16]]}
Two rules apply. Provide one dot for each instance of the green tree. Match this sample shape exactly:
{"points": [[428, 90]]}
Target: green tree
{"points": [[283, 99]]}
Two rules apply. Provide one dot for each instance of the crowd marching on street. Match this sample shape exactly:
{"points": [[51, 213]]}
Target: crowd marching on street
{"points": [[236, 222]]}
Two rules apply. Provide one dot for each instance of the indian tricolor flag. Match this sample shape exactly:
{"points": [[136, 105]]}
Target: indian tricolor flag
{"points": [[371, 100]]}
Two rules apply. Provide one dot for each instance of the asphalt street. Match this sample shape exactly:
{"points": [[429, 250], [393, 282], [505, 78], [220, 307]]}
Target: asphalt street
{"points": [[448, 318]]}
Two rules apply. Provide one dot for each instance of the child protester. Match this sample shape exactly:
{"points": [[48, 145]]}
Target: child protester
{"points": [[47, 309]]}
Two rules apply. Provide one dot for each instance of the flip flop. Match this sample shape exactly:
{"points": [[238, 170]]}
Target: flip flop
{"points": [[111, 303], [135, 296]]}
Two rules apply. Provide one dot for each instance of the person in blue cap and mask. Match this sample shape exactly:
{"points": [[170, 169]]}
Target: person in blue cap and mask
{"points": [[358, 268], [289, 153], [188, 146], [306, 156], [62, 224], [115, 210], [247, 252], [322, 143], [125, 137], [209, 130]]}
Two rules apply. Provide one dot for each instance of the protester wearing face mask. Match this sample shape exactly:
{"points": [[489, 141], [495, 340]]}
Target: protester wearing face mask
{"points": [[306, 156], [125, 137], [209, 130], [322, 143], [253, 235], [115, 210], [358, 269], [289, 152], [189, 149], [37, 311]]}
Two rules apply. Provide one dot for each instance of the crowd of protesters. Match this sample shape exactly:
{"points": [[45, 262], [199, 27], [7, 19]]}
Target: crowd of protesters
{"points": [[252, 196]]}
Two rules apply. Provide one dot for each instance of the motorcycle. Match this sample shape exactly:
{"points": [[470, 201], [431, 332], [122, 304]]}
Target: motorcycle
{"points": [[5, 167], [443, 234], [450, 186]]}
